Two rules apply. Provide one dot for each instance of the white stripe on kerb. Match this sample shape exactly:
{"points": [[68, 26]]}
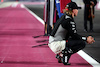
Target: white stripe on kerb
{"points": [[89, 59], [14, 5]]}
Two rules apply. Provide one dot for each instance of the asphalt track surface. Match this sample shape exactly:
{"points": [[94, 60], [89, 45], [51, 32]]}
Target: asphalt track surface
{"points": [[94, 49]]}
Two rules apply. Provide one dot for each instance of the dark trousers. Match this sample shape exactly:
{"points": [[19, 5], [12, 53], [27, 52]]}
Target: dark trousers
{"points": [[76, 45], [86, 18], [91, 24]]}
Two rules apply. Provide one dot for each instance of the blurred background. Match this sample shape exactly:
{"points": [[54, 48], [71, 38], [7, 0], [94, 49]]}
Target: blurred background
{"points": [[22, 0]]}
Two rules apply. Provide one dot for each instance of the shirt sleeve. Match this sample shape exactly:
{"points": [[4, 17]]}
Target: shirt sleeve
{"points": [[71, 27]]}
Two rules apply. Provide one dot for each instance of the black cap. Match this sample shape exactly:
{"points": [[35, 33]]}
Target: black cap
{"points": [[72, 5]]}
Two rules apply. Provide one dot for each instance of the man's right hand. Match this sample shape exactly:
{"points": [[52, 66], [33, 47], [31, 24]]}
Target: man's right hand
{"points": [[90, 40], [92, 3]]}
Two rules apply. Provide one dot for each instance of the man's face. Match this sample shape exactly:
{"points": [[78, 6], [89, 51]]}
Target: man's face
{"points": [[75, 11]]}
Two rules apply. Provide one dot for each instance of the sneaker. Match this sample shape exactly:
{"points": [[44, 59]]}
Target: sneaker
{"points": [[70, 51], [66, 56], [60, 59], [66, 59], [91, 31], [85, 30]]}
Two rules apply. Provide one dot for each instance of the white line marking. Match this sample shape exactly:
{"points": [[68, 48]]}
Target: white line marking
{"points": [[85, 56], [89, 59], [33, 14], [14, 5]]}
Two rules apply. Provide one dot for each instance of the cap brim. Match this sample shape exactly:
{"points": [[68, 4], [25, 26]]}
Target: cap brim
{"points": [[79, 7]]}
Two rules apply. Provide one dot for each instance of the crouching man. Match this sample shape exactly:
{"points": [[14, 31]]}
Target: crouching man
{"points": [[64, 40]]}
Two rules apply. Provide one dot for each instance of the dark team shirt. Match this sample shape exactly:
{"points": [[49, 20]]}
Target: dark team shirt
{"points": [[65, 28]]}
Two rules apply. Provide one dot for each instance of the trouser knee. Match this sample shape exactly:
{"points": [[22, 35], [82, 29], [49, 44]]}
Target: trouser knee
{"points": [[76, 45], [80, 46]]}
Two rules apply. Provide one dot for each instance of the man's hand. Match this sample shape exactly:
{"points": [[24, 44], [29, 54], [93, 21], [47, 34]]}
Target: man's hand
{"points": [[90, 40], [92, 2]]}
